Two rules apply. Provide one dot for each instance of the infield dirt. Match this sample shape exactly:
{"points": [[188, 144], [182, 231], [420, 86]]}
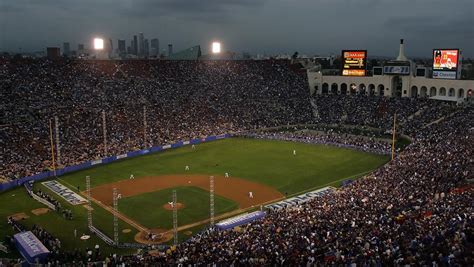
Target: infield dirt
{"points": [[232, 188], [168, 206]]}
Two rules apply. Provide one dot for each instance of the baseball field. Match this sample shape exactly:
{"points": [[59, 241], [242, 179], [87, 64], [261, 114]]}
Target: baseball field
{"points": [[268, 169]]}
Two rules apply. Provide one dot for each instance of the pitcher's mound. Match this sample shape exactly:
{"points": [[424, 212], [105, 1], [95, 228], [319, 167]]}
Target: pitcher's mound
{"points": [[155, 236], [19, 216], [168, 206], [40, 211]]}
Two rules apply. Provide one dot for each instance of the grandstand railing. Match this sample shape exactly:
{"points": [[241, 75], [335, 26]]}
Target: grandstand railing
{"points": [[93, 163]]}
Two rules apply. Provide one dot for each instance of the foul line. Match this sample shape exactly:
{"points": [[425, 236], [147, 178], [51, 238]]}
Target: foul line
{"points": [[70, 185], [142, 228], [225, 215], [124, 218]]}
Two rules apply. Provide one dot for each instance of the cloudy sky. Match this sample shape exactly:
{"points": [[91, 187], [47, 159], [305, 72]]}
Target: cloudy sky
{"points": [[256, 26]]}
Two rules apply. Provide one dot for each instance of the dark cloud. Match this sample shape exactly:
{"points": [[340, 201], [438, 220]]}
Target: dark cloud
{"points": [[258, 26], [435, 26], [194, 10]]}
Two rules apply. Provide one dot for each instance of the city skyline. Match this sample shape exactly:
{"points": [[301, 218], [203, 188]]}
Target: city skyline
{"points": [[257, 26]]}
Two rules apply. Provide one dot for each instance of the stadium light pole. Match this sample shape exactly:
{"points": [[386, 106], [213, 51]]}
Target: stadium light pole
{"points": [[53, 164], [394, 134], [104, 131], [98, 47], [98, 44], [216, 47]]}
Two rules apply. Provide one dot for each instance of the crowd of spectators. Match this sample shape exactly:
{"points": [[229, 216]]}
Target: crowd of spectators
{"points": [[176, 100], [417, 209], [330, 137], [378, 111], [180, 100]]}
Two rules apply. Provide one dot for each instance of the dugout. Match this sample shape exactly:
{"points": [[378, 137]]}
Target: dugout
{"points": [[30, 247]]}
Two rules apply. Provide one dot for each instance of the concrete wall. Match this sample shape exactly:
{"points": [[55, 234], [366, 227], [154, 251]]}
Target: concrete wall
{"points": [[451, 90]]}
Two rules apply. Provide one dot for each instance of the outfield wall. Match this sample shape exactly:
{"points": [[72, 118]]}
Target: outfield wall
{"points": [[93, 163]]}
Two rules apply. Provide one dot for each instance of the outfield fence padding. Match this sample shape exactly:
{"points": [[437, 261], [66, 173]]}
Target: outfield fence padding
{"points": [[49, 174]]}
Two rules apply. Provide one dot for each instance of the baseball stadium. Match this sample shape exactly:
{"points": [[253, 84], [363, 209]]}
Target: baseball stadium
{"points": [[129, 157]]}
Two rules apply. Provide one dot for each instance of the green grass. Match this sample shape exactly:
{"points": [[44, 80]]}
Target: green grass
{"points": [[151, 213], [55, 224], [262, 161]]}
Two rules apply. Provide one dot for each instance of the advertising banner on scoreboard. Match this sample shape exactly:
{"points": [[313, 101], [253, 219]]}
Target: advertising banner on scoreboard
{"points": [[354, 62], [445, 63], [397, 70], [393, 67]]}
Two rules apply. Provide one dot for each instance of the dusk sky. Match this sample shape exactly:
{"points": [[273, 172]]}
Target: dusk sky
{"points": [[256, 26]]}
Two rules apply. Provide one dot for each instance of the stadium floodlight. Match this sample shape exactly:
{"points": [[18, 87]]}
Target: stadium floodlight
{"points": [[98, 43], [216, 47]]}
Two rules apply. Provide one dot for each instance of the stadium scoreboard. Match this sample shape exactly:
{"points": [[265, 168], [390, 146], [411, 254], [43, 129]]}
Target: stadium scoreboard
{"points": [[354, 62], [446, 63]]}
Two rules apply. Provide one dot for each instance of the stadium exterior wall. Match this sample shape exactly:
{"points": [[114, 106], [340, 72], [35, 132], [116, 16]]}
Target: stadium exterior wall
{"points": [[439, 89], [93, 163]]}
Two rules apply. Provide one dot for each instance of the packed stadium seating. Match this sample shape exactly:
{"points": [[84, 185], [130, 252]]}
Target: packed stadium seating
{"points": [[183, 100], [417, 209]]}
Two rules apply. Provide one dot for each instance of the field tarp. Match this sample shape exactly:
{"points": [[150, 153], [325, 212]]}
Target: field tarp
{"points": [[89, 164], [30, 247]]}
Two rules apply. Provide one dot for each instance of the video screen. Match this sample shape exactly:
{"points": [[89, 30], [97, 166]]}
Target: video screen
{"points": [[445, 59], [354, 62]]}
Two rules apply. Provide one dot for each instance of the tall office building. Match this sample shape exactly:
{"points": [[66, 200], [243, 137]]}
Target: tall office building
{"points": [[53, 52], [170, 49], [154, 47], [146, 48], [141, 44], [121, 46], [111, 46], [80, 49], [66, 49], [135, 45]]}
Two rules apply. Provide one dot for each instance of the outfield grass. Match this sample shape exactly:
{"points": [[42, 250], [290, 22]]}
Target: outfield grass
{"points": [[151, 213], [263, 161]]}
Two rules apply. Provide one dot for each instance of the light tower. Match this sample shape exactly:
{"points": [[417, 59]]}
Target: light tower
{"points": [[216, 50], [99, 48], [216, 47]]}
